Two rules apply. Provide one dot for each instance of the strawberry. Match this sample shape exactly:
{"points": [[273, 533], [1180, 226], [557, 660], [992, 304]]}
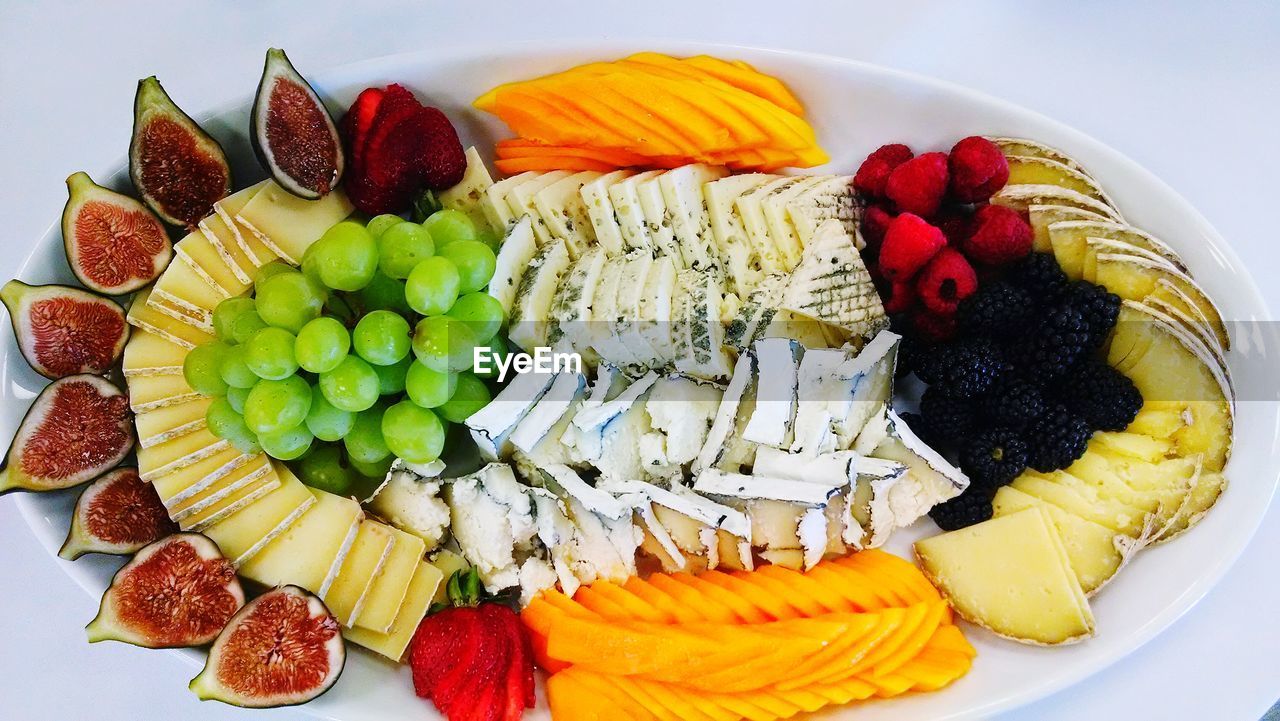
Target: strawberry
{"points": [[442, 160], [482, 695], [441, 649], [519, 674], [357, 122], [450, 683], [386, 162]]}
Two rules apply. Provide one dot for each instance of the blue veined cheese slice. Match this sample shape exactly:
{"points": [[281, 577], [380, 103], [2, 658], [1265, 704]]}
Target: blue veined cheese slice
{"points": [[686, 206], [556, 533], [560, 208], [873, 371], [774, 205], [716, 482], [705, 356], [519, 200], [546, 414], [604, 309], [755, 313], [491, 426], [656, 540], [725, 421], [571, 308], [613, 446], [492, 520], [823, 385], [493, 202], [778, 367], [517, 251], [629, 213], [603, 549], [531, 307], [625, 324], [658, 219], [832, 284], [595, 414], [595, 196], [596, 500], [750, 207], [656, 310], [609, 382], [681, 412], [930, 479], [551, 448], [741, 265], [466, 195], [831, 199], [696, 508]]}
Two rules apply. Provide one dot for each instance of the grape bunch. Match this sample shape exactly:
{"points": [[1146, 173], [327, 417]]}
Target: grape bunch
{"points": [[362, 355]]}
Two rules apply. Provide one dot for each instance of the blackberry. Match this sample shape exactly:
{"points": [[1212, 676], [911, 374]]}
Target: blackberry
{"points": [[998, 310], [1056, 440], [1013, 403], [1060, 340], [971, 507], [994, 457], [921, 428], [946, 416], [964, 369], [1104, 397], [1039, 275], [1099, 307]]}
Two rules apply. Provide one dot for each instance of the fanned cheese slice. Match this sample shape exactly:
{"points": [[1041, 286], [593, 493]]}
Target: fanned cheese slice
{"points": [[164, 424], [466, 195], [183, 295], [520, 201], [199, 252], [658, 219], [629, 213], [604, 309], [228, 208], [224, 242], [750, 206], [392, 644], [149, 392], [737, 256], [571, 308], [831, 199], [781, 230], [392, 584], [560, 209], [249, 530], [832, 284], [626, 327], [604, 220], [143, 315], [177, 487], [491, 426], [287, 224], [656, 309], [310, 553], [369, 552], [493, 202], [517, 251], [178, 453], [147, 354], [682, 191], [778, 364], [703, 325], [531, 307]]}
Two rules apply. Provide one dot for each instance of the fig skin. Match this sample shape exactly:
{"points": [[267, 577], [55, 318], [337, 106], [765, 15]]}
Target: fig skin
{"points": [[319, 628], [75, 350], [326, 163], [138, 258], [111, 625], [136, 506], [14, 475], [191, 184]]}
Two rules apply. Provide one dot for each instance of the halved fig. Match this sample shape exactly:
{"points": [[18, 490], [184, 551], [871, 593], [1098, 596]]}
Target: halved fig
{"points": [[78, 428], [118, 514], [293, 133], [114, 244], [62, 330], [178, 168], [177, 592], [282, 649]]}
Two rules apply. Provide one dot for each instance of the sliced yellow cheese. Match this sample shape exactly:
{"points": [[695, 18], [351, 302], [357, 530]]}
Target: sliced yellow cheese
{"points": [[466, 195], [164, 424], [148, 354], [309, 553], [214, 494], [179, 286], [228, 208], [249, 530], [287, 224], [197, 250], [224, 241], [148, 392], [1012, 576], [142, 315], [369, 553], [178, 453], [389, 588], [176, 487], [229, 505], [392, 643]]}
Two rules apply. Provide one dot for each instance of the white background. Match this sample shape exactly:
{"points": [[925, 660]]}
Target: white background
{"points": [[1191, 90]]}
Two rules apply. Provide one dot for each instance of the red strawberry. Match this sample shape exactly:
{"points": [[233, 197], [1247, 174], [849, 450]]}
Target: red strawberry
{"points": [[945, 281], [375, 199], [482, 695], [442, 649], [441, 158], [386, 162], [520, 684], [450, 684], [357, 122], [917, 186], [978, 169], [875, 170], [909, 243], [1000, 236]]}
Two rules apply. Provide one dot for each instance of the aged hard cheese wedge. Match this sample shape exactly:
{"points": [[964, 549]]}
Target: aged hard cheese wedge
{"points": [[1012, 576], [164, 424], [287, 224], [242, 535], [422, 589], [253, 475], [148, 354], [228, 208], [361, 567], [178, 486], [183, 295], [148, 392], [391, 585], [144, 316], [178, 453], [310, 553], [199, 252]]}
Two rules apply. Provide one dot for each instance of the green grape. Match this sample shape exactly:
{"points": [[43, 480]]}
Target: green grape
{"points": [[449, 226], [339, 307], [269, 354], [402, 247], [377, 470], [443, 344], [489, 238], [381, 337], [288, 444], [275, 267], [235, 371], [322, 344], [309, 267], [433, 286], [470, 396], [245, 325], [351, 386], [325, 421], [345, 257], [384, 293], [236, 397], [379, 224], [224, 422], [274, 406], [429, 388], [475, 262], [202, 368], [226, 315], [323, 468], [289, 299], [481, 312], [413, 432], [391, 379], [365, 442]]}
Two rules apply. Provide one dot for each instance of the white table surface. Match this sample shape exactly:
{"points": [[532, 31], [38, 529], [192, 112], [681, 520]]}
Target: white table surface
{"points": [[1187, 89]]}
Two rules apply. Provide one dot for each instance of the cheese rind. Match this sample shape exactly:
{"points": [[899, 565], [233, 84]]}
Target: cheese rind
{"points": [[312, 549], [417, 599], [362, 565], [392, 584], [249, 530], [147, 354]]}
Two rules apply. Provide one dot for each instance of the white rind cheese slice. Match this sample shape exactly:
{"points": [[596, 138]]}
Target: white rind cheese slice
{"points": [[544, 416], [604, 221], [687, 503], [778, 364], [726, 418], [531, 307], [930, 478], [467, 194], [823, 386], [873, 370], [682, 190], [593, 499], [514, 256], [491, 426], [831, 199], [715, 482]]}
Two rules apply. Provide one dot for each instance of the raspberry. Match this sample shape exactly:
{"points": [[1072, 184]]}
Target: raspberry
{"points": [[909, 243], [945, 281], [956, 224], [875, 170], [978, 169], [935, 327], [902, 296], [875, 221], [917, 186], [1000, 236]]}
